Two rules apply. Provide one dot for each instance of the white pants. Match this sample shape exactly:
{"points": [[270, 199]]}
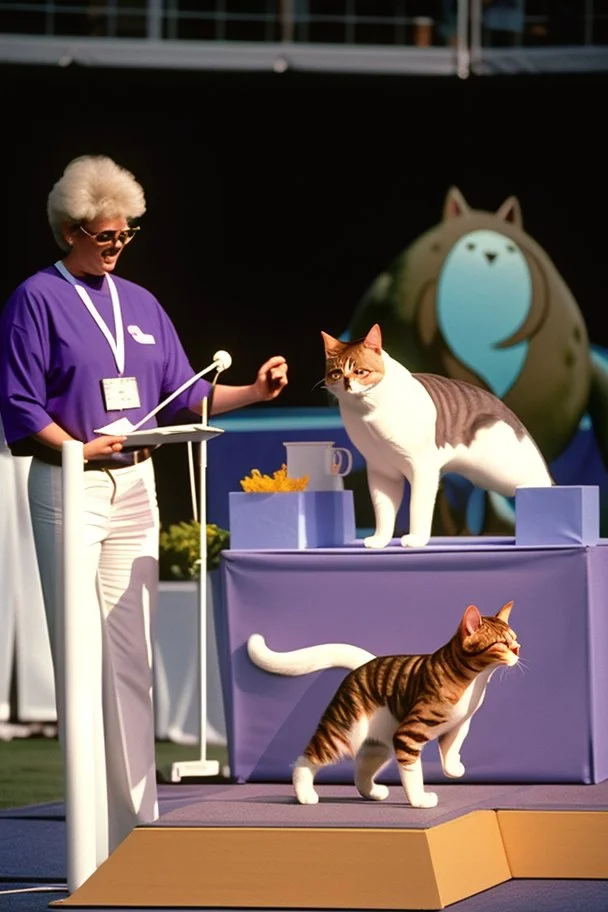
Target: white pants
{"points": [[120, 580]]}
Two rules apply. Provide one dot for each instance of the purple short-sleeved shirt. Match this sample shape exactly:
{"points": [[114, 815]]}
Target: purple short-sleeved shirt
{"points": [[53, 357]]}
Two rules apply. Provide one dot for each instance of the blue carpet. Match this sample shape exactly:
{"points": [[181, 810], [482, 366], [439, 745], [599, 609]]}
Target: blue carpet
{"points": [[32, 849], [514, 896], [52, 809]]}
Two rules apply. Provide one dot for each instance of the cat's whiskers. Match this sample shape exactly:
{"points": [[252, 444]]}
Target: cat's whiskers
{"points": [[507, 669], [320, 384], [522, 665]]}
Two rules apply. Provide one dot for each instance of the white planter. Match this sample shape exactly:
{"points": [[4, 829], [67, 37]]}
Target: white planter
{"points": [[24, 640], [177, 665]]}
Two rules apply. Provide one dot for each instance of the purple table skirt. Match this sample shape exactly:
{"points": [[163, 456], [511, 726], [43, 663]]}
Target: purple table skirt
{"points": [[543, 721]]}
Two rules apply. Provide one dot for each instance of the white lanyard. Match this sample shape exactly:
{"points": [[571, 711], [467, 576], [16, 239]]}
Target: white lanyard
{"points": [[117, 345]]}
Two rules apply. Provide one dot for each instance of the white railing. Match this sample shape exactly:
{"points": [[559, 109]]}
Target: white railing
{"points": [[75, 644], [282, 34]]}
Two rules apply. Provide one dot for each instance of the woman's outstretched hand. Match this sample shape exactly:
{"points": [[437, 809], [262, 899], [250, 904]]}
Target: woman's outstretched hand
{"points": [[271, 379]]}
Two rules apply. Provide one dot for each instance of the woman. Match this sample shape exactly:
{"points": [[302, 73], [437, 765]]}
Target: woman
{"points": [[80, 348]]}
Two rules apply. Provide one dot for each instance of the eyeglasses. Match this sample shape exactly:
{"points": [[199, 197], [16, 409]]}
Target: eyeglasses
{"points": [[111, 237]]}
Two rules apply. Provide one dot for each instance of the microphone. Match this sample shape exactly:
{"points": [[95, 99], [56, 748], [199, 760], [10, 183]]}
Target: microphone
{"points": [[222, 360]]}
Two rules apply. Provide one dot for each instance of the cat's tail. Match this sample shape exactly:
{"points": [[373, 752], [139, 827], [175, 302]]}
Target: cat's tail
{"points": [[309, 658]]}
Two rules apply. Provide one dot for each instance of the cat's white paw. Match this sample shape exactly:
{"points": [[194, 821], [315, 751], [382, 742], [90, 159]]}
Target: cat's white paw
{"points": [[377, 792], [376, 541], [414, 540], [454, 769], [307, 796], [426, 800], [302, 781]]}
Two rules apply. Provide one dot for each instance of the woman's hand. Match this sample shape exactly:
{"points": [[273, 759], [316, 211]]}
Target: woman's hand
{"points": [[271, 378], [54, 436], [270, 381], [104, 445]]}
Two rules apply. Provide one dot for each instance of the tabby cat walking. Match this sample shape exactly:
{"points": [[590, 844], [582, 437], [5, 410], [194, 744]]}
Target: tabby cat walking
{"points": [[394, 705], [418, 426]]}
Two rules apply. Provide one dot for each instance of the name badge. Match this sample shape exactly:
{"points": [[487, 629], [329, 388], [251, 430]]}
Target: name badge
{"points": [[120, 393]]}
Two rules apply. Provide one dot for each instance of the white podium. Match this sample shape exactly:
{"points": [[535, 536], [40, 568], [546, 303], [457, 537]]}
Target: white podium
{"points": [[178, 433], [191, 433]]}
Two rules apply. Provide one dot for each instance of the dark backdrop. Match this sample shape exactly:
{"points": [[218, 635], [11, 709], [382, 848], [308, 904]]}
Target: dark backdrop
{"points": [[275, 199]]}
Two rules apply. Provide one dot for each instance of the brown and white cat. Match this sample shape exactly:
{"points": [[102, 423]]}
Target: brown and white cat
{"points": [[418, 426], [393, 705]]}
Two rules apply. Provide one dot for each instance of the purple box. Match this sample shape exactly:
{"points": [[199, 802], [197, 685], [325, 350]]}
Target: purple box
{"points": [[295, 519], [560, 515], [409, 600]]}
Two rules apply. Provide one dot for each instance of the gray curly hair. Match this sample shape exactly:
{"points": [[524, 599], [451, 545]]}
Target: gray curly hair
{"points": [[91, 187]]}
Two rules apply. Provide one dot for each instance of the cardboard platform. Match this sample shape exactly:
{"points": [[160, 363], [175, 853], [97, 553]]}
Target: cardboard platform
{"points": [[253, 846]]}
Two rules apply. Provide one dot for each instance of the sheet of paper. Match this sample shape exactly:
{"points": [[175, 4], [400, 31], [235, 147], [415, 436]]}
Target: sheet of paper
{"points": [[179, 433], [120, 426]]}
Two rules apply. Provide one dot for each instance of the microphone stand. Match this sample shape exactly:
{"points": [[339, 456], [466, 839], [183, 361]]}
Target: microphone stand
{"points": [[202, 766]]}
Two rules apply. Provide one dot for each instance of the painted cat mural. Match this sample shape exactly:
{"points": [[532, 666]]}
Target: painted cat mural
{"points": [[477, 298]]}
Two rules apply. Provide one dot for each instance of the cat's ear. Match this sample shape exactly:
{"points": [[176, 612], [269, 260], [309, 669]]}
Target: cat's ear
{"points": [[373, 339], [454, 204], [510, 211], [504, 612], [332, 346], [471, 620]]}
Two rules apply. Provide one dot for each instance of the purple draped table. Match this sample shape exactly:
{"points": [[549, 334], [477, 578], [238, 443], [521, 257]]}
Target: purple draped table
{"points": [[544, 721]]}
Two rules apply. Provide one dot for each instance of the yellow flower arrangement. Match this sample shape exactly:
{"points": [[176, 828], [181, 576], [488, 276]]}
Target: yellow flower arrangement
{"points": [[256, 483]]}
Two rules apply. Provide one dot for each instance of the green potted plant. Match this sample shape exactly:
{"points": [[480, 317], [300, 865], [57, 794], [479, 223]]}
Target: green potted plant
{"points": [[179, 549]]}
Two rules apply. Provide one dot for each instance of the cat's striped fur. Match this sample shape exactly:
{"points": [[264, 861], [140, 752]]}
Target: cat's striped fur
{"points": [[419, 426], [393, 705], [476, 409]]}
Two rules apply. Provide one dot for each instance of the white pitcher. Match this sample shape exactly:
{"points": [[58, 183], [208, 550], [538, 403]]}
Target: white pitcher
{"points": [[323, 463]]}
